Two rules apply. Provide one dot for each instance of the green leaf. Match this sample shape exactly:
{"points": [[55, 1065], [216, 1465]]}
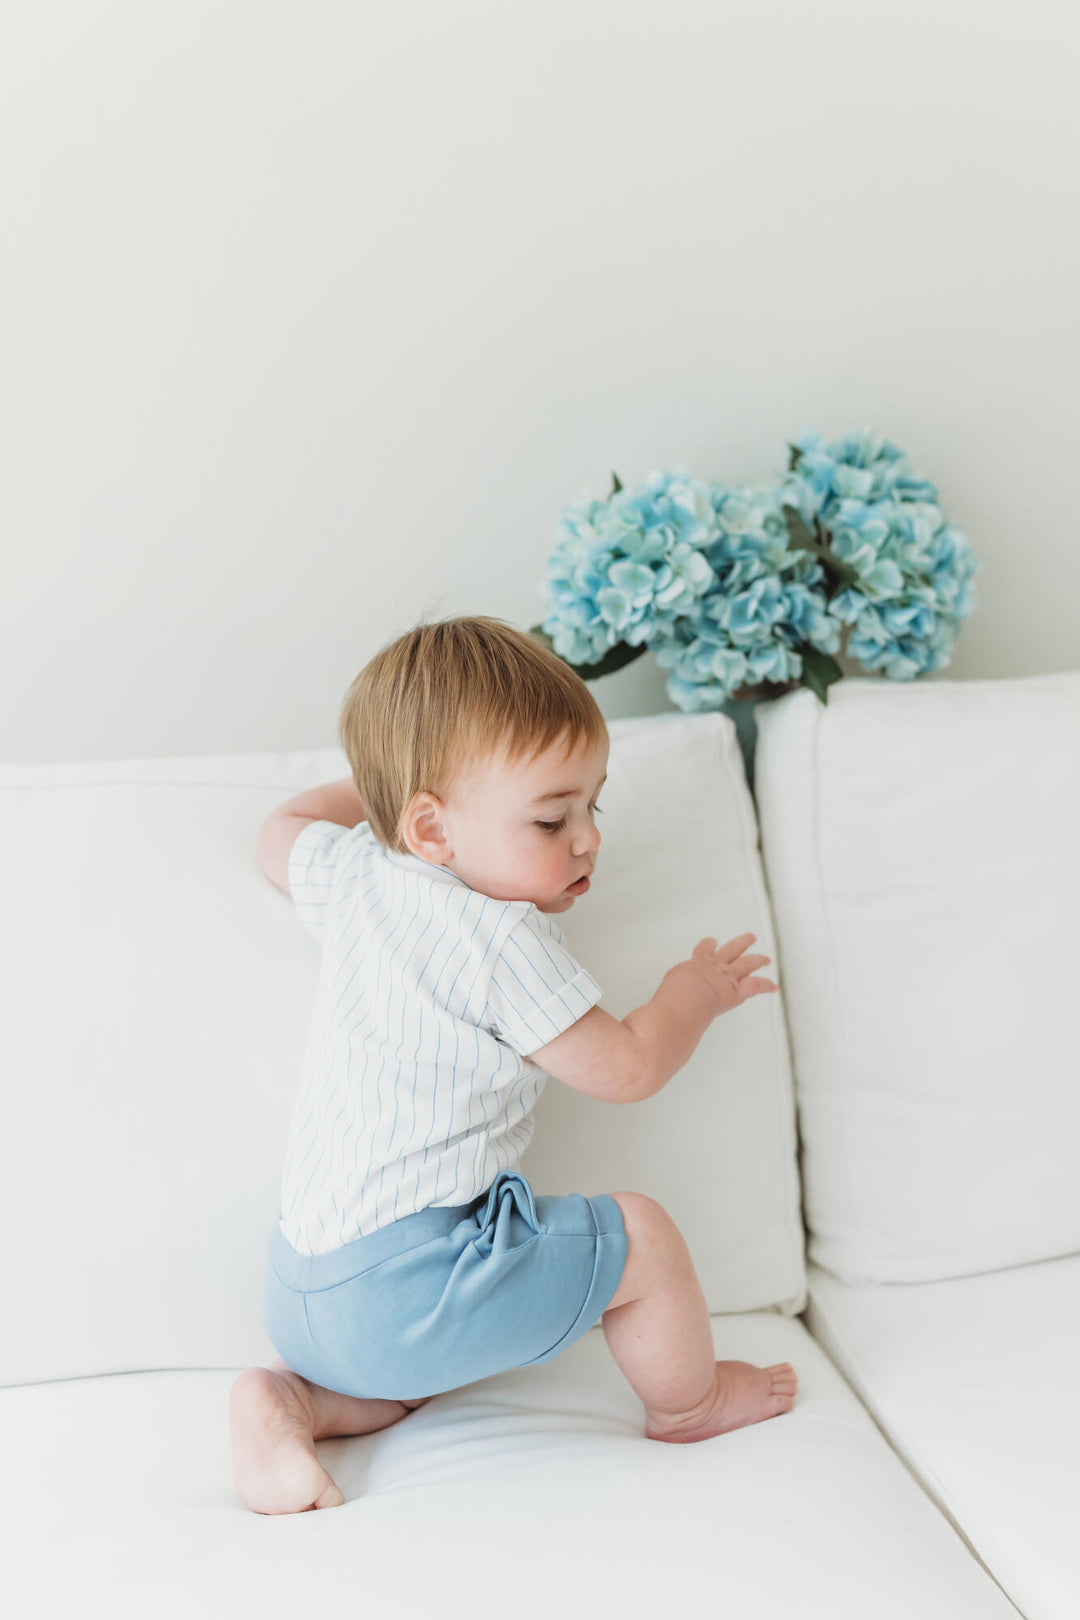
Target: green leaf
{"points": [[616, 657], [819, 670], [838, 574], [798, 534], [615, 484], [796, 457]]}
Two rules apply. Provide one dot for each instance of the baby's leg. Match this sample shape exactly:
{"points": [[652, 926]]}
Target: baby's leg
{"points": [[275, 1417], [657, 1328]]}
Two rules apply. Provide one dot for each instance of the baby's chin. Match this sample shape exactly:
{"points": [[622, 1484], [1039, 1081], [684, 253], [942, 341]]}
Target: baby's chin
{"points": [[561, 902], [502, 890]]}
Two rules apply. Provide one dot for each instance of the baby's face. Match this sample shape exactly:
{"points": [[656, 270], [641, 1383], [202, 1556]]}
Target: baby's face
{"points": [[508, 837]]}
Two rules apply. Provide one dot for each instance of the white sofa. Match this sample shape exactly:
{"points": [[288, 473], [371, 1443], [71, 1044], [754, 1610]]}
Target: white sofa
{"points": [[917, 860]]}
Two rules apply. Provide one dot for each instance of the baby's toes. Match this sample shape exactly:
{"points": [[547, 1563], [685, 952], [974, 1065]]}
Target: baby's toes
{"points": [[784, 1382]]}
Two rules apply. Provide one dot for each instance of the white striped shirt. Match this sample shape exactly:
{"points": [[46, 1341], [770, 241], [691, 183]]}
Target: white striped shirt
{"points": [[415, 1088]]}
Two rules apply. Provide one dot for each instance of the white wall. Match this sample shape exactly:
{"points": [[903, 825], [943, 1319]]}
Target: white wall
{"points": [[314, 316]]}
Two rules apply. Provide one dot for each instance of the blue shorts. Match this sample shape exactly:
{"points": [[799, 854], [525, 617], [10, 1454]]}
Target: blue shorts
{"points": [[448, 1295]]}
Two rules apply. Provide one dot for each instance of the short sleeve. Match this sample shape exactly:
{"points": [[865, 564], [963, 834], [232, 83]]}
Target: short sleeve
{"points": [[313, 862], [537, 988]]}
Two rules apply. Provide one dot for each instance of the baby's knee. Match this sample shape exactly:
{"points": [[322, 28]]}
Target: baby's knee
{"points": [[656, 1253], [647, 1223]]}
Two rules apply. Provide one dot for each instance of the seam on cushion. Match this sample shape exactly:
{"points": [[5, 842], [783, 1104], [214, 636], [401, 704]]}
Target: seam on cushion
{"points": [[847, 1125], [793, 1180], [928, 1482]]}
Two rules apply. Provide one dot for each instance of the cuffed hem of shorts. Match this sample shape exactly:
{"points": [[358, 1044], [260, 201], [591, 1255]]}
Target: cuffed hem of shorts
{"points": [[612, 1247]]}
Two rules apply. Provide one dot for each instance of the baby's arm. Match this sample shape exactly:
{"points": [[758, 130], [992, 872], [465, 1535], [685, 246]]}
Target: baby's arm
{"points": [[334, 801], [625, 1061]]}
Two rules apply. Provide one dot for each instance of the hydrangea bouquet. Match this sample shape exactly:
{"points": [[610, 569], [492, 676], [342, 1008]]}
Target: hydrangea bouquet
{"points": [[750, 591]]}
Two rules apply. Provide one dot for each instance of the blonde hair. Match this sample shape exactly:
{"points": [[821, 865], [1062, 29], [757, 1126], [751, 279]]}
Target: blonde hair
{"points": [[448, 696]]}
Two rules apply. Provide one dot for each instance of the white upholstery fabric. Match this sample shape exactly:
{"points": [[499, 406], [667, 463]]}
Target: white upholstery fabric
{"points": [[974, 1380], [157, 995], [533, 1494], [923, 862]]}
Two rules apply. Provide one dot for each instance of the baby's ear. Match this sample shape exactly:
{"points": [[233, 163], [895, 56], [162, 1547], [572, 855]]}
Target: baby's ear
{"points": [[423, 827]]}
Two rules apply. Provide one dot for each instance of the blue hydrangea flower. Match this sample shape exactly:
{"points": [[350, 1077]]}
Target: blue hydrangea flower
{"points": [[707, 574], [864, 466], [765, 598], [625, 568], [914, 569]]}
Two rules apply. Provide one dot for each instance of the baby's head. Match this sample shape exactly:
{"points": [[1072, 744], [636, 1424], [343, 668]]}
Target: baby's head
{"points": [[476, 749]]}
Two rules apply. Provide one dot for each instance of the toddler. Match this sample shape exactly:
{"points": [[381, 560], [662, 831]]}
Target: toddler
{"points": [[411, 1256]]}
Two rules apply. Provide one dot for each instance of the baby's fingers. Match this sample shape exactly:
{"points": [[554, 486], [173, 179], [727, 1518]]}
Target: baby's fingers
{"points": [[746, 964]]}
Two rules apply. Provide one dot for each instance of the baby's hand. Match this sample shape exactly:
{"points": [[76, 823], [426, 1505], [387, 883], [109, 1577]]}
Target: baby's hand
{"points": [[728, 972]]}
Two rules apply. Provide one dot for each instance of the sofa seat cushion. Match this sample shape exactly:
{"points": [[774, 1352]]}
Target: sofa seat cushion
{"points": [[534, 1489], [974, 1381]]}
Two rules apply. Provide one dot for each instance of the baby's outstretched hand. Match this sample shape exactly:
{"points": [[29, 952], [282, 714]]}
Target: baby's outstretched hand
{"points": [[730, 973]]}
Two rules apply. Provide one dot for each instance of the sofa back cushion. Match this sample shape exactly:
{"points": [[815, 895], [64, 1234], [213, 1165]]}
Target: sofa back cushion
{"points": [[157, 994], [922, 857]]}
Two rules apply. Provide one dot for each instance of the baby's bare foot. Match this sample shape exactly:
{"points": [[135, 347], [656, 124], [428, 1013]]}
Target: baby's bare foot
{"points": [[274, 1420], [742, 1394]]}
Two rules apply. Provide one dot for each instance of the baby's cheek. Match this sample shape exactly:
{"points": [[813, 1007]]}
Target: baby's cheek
{"points": [[561, 869]]}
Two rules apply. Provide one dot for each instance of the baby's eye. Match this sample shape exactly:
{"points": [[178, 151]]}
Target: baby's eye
{"points": [[556, 826]]}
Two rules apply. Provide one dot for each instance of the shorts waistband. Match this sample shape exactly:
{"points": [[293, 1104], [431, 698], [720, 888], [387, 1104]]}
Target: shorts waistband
{"points": [[311, 1271]]}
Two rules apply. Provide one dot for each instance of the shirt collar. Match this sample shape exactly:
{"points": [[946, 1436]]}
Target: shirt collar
{"points": [[415, 863]]}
